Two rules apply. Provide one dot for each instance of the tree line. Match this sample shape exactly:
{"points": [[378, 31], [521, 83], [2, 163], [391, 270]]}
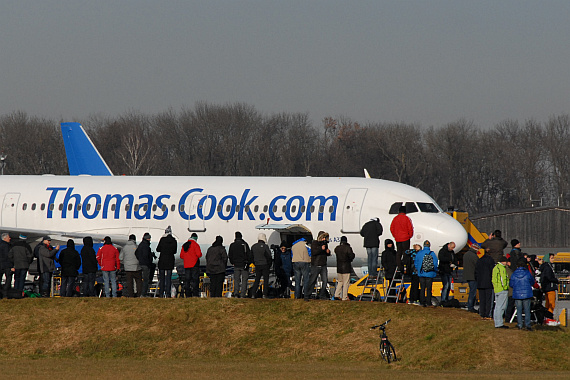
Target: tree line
{"points": [[509, 166]]}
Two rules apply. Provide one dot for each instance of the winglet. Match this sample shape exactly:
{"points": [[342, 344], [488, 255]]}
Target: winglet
{"points": [[366, 175], [82, 156]]}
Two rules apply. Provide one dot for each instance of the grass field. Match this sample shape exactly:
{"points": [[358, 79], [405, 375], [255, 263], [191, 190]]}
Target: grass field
{"points": [[148, 338]]}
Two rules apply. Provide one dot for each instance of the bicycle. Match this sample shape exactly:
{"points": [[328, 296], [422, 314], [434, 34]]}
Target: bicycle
{"points": [[386, 348]]}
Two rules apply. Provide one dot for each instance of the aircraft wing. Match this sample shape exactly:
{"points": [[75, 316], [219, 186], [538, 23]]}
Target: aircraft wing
{"points": [[119, 239]]}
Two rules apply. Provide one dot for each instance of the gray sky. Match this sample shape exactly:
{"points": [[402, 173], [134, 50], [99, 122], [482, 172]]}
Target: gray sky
{"points": [[430, 62]]}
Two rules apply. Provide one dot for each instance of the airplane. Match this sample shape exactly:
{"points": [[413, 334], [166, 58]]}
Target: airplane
{"points": [[96, 203]]}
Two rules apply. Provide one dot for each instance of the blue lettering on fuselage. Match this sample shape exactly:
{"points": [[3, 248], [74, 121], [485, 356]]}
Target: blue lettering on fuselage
{"points": [[193, 204]]}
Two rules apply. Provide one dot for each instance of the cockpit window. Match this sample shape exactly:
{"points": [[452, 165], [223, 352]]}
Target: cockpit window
{"points": [[428, 207], [410, 207]]}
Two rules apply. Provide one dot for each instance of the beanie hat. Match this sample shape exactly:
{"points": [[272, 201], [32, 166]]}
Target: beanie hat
{"points": [[283, 244], [146, 236], [262, 237], [238, 235], [168, 230], [194, 236], [502, 259], [514, 242], [343, 239], [132, 237], [427, 243]]}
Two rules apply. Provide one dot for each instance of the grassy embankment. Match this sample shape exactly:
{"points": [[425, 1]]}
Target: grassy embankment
{"points": [[335, 334]]}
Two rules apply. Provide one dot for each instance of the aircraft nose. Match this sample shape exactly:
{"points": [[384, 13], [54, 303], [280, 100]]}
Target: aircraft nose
{"points": [[455, 231]]}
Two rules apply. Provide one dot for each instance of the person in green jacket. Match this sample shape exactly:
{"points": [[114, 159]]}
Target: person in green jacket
{"points": [[500, 282]]}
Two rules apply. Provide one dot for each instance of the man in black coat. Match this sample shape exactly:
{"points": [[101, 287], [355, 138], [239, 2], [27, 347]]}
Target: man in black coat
{"points": [[548, 282], [371, 232], [167, 246], [6, 266], [319, 253], [389, 259], [240, 257], [483, 276], [145, 257], [469, 262], [446, 266], [344, 257], [90, 266], [70, 262]]}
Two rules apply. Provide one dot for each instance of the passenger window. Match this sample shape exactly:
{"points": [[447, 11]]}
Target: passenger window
{"points": [[127, 207], [51, 206], [428, 207], [136, 207], [181, 208], [88, 207], [321, 209], [43, 207], [219, 208], [256, 208], [79, 207], [98, 206], [24, 206], [154, 207], [312, 209], [113, 207], [228, 207], [265, 208], [274, 208], [163, 208], [283, 208], [69, 207], [33, 206], [145, 207], [173, 208], [331, 208], [293, 208], [303, 208], [60, 206]]}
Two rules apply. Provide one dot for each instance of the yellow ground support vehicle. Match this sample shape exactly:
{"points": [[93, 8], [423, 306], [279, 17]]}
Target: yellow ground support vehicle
{"points": [[355, 289]]}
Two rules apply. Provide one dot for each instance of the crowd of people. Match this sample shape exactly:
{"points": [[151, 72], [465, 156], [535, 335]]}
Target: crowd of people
{"points": [[503, 282]]}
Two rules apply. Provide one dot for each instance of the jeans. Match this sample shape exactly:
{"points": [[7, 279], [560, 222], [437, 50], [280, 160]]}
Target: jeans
{"points": [[240, 282], [46, 284], [7, 273], [472, 295], [261, 270], [500, 306], [89, 284], [20, 279], [133, 277], [523, 307], [401, 247], [343, 282], [301, 270], [485, 302], [145, 280], [67, 285], [113, 276], [164, 282], [446, 286], [192, 281], [286, 265], [415, 288], [372, 261], [425, 290], [317, 271], [217, 284]]}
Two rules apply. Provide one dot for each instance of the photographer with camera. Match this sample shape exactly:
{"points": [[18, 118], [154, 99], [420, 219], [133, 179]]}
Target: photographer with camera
{"points": [[319, 252]]}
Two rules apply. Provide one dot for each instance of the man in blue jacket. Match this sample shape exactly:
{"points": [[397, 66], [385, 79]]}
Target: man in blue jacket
{"points": [[426, 265], [522, 281]]}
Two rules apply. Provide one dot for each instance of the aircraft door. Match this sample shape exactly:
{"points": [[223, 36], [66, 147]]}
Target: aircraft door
{"points": [[198, 205], [9, 209], [352, 209]]}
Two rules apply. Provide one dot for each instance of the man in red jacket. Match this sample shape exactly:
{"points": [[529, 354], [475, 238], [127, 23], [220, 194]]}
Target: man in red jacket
{"points": [[191, 254], [108, 259], [402, 230]]}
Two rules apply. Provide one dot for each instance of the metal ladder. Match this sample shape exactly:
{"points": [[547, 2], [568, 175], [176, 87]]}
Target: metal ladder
{"points": [[396, 286], [372, 286]]}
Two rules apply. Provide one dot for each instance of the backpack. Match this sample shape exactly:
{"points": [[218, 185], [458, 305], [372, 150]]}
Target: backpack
{"points": [[427, 263]]}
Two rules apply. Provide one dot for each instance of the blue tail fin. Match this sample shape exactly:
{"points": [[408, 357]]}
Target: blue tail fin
{"points": [[82, 156]]}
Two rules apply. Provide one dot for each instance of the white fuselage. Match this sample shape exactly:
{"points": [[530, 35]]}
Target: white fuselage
{"points": [[119, 206]]}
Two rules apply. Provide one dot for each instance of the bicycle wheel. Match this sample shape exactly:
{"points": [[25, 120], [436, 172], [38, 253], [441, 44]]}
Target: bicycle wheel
{"points": [[388, 352]]}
